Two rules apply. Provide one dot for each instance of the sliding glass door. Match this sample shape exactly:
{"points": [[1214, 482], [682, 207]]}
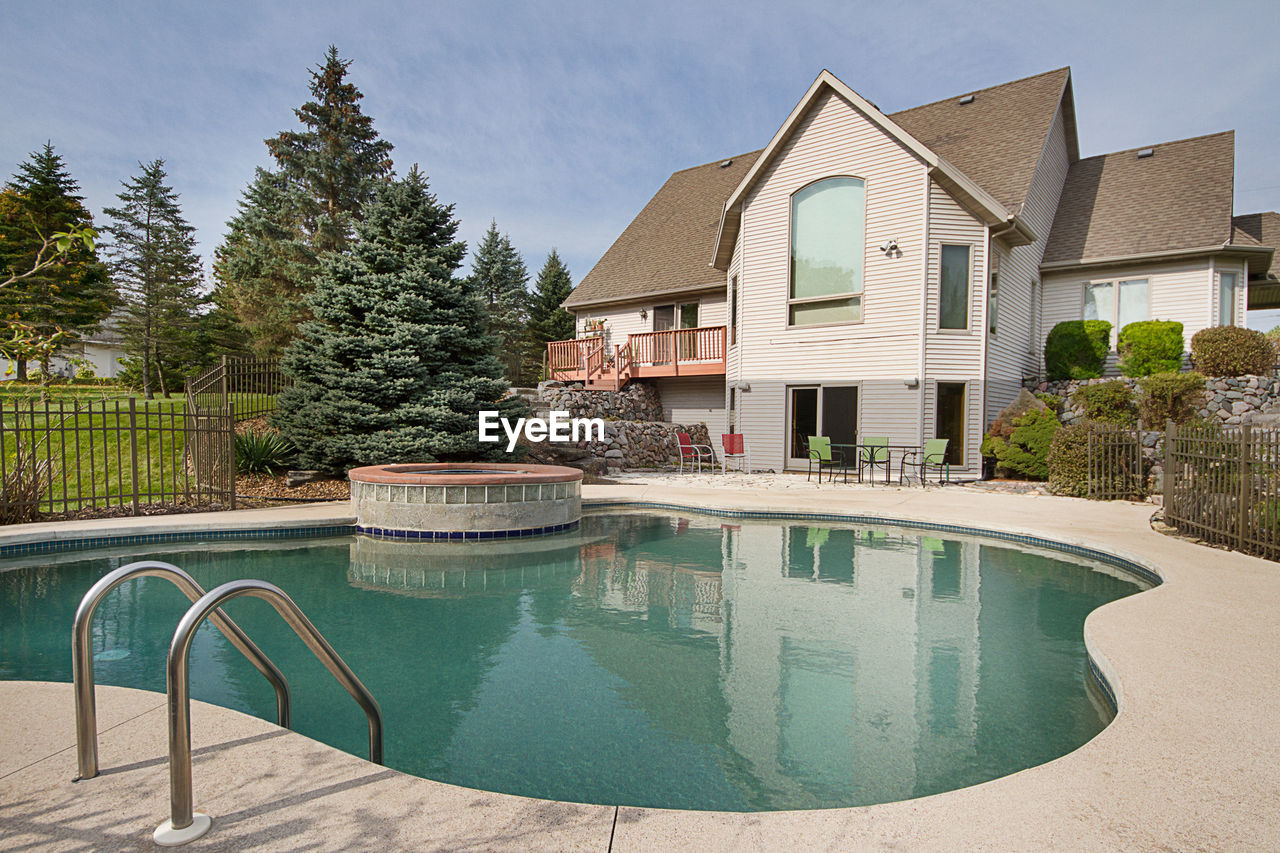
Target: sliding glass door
{"points": [[828, 410]]}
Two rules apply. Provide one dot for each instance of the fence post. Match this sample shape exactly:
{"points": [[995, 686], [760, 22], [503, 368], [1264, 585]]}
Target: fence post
{"points": [[1167, 476], [1088, 463], [229, 423], [133, 447], [1242, 522]]}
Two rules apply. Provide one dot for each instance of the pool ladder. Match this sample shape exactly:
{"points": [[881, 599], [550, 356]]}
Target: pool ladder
{"points": [[185, 824]]}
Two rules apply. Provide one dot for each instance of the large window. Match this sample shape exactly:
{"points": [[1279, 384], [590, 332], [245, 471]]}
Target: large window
{"points": [[950, 418], [828, 221], [1118, 302], [953, 298], [1228, 297]]}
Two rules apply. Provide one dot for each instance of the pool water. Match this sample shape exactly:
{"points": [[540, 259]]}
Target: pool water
{"points": [[648, 659]]}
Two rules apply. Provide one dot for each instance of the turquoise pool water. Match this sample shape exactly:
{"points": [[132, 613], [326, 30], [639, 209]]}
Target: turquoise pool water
{"points": [[651, 659]]}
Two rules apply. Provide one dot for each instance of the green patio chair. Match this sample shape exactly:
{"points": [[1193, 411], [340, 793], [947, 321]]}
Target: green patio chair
{"points": [[820, 452], [873, 453], [932, 455]]}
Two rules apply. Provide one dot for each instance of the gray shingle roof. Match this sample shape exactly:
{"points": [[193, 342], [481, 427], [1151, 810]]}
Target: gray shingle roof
{"points": [[668, 245], [1120, 204], [996, 139]]}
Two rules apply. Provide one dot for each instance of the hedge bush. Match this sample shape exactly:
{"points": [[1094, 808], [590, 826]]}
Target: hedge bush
{"points": [[1150, 346], [1022, 453], [1231, 351], [1110, 402], [1077, 349], [1169, 395], [1068, 461]]}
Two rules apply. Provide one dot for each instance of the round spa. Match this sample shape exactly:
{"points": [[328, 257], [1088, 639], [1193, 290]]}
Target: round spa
{"points": [[465, 501]]}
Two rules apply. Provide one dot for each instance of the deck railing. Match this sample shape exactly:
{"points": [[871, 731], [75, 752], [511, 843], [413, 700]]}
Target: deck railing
{"points": [[667, 353], [652, 349]]}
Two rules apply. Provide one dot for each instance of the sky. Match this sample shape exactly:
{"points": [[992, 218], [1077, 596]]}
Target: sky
{"points": [[559, 120]]}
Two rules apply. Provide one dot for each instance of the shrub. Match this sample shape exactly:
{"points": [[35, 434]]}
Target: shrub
{"points": [[1231, 351], [1068, 461], [1077, 349], [1169, 395], [1109, 402], [1022, 453], [1053, 401], [262, 452], [1150, 346]]}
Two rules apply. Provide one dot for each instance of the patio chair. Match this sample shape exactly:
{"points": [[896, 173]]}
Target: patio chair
{"points": [[873, 453], [820, 452], [734, 446], [933, 454], [694, 453]]}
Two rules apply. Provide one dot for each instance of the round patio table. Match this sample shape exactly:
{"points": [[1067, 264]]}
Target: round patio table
{"points": [[889, 450]]}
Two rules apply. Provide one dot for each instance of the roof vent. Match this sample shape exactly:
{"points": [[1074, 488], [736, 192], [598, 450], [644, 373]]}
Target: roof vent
{"points": [[967, 99], [1145, 153], [724, 164]]}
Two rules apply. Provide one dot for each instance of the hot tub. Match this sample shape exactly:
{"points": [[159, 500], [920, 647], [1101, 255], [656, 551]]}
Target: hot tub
{"points": [[465, 501]]}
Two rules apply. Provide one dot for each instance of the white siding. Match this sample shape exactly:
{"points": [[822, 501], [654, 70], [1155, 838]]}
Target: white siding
{"points": [[695, 400], [622, 320], [1185, 292], [954, 355], [879, 353]]}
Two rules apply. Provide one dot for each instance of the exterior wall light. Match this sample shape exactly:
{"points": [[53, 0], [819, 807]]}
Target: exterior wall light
{"points": [[913, 382], [644, 315]]}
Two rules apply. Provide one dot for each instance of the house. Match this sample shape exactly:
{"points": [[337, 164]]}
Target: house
{"points": [[895, 275]]}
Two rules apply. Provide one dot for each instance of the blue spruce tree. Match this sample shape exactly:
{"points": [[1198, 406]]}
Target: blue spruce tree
{"points": [[397, 363]]}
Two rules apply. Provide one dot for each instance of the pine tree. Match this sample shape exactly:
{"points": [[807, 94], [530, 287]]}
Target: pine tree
{"points": [[154, 263], [265, 265], [74, 294], [397, 363], [289, 218], [499, 276], [547, 320], [338, 162]]}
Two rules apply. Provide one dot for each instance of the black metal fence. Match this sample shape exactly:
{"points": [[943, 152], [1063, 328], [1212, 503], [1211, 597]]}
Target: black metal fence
{"points": [[1115, 464], [1222, 484], [247, 385], [68, 456]]}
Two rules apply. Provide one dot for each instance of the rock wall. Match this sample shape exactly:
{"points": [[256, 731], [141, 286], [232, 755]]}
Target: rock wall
{"points": [[638, 401], [1232, 400], [643, 444]]}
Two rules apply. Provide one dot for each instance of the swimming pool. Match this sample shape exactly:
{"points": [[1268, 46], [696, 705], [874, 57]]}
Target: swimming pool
{"points": [[658, 659]]}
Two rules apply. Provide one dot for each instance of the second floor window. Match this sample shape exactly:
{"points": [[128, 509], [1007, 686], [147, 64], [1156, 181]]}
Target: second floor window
{"points": [[953, 296], [828, 221], [1227, 298]]}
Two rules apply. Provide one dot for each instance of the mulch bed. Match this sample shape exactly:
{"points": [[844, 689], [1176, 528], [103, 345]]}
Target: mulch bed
{"points": [[268, 486]]}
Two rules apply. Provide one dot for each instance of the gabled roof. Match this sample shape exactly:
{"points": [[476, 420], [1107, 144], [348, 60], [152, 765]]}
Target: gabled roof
{"points": [[968, 192], [997, 138], [1120, 205], [665, 248], [984, 151]]}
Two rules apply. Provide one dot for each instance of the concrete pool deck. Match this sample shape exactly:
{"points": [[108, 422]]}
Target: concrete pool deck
{"points": [[1192, 761]]}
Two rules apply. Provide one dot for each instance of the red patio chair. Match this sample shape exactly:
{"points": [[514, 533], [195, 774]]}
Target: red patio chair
{"points": [[694, 453], [735, 447]]}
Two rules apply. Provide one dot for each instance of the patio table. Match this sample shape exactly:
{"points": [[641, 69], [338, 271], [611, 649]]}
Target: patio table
{"points": [[889, 449]]}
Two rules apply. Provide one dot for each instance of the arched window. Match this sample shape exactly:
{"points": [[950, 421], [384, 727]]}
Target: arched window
{"points": [[828, 223]]}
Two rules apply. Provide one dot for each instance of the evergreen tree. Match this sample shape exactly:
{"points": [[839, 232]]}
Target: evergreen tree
{"points": [[155, 265], [76, 293], [337, 162], [500, 278], [265, 265], [547, 320], [397, 363], [288, 218]]}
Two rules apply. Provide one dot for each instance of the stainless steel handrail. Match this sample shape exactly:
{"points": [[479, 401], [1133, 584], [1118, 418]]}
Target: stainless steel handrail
{"points": [[82, 654], [181, 808]]}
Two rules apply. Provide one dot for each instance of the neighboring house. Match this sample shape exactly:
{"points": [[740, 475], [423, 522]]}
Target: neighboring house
{"points": [[896, 275], [102, 349]]}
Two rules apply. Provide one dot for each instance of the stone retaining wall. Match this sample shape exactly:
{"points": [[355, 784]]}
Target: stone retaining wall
{"points": [[1232, 400], [637, 402], [643, 444]]}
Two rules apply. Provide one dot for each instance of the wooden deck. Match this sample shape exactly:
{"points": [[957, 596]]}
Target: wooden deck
{"points": [[677, 352]]}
